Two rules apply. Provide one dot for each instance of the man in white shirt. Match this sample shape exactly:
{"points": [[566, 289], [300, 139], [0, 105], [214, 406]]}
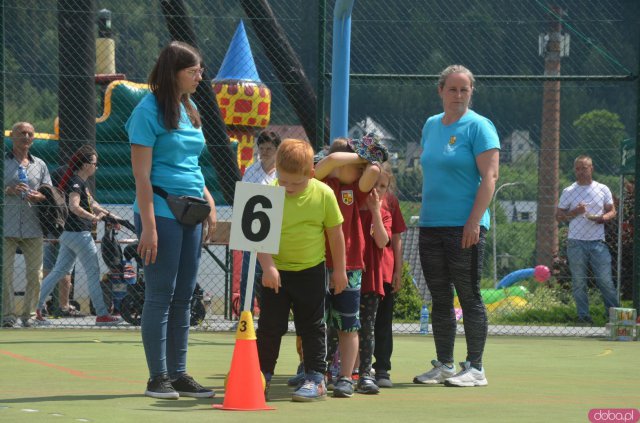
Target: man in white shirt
{"points": [[262, 171], [587, 205]]}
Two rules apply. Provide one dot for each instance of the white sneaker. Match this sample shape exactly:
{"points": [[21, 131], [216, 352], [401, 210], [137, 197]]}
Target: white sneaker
{"points": [[438, 374], [468, 376], [29, 322]]}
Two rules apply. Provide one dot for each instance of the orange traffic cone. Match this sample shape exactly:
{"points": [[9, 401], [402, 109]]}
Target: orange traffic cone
{"points": [[244, 389]]}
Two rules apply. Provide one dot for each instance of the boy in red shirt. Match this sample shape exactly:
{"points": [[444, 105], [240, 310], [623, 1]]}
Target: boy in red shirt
{"points": [[351, 176]]}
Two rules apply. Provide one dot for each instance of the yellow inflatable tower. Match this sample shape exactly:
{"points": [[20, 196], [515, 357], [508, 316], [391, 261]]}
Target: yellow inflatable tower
{"points": [[244, 101]]}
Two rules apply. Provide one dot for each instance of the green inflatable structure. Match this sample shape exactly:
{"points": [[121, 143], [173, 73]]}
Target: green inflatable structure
{"points": [[114, 180]]}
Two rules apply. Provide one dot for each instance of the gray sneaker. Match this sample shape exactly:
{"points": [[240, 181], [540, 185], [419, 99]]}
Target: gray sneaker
{"points": [[28, 322], [331, 382], [9, 323], [383, 380], [343, 388], [438, 374], [468, 376]]}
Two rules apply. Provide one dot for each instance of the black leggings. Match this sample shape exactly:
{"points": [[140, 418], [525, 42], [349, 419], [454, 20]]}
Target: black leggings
{"points": [[384, 331], [446, 265], [368, 309]]}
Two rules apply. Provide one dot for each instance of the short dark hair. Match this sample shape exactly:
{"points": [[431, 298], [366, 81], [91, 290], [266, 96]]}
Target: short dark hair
{"points": [[268, 137], [340, 145]]}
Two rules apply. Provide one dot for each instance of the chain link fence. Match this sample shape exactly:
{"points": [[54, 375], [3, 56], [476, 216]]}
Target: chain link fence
{"points": [[558, 79]]}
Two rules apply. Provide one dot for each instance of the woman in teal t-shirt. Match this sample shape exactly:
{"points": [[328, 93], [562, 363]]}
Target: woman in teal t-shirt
{"points": [[166, 139], [460, 167]]}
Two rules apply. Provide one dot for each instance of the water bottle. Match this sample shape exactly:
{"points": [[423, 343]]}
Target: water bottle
{"points": [[22, 176], [424, 320]]}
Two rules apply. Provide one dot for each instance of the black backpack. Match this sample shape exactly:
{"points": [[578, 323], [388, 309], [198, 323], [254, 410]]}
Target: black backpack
{"points": [[53, 210]]}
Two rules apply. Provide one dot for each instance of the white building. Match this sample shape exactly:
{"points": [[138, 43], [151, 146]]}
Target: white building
{"points": [[518, 146], [519, 211]]}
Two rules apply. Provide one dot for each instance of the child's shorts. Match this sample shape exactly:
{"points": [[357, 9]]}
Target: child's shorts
{"points": [[343, 310]]}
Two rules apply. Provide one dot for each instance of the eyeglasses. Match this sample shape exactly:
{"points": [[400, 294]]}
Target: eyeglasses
{"points": [[194, 73]]}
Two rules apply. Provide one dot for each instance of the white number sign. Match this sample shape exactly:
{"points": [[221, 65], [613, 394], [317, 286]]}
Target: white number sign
{"points": [[257, 218]]}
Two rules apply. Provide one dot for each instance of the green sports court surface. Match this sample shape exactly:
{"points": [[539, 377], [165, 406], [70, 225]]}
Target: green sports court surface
{"points": [[94, 376]]}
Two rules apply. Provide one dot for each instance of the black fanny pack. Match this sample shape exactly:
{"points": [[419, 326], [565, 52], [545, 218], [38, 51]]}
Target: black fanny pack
{"points": [[187, 210]]}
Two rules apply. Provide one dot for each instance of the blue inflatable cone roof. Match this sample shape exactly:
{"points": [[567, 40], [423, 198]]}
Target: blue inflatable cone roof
{"points": [[238, 63]]}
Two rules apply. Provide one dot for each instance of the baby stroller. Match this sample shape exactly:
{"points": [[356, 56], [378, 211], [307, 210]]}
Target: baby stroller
{"points": [[131, 306], [124, 284], [121, 275]]}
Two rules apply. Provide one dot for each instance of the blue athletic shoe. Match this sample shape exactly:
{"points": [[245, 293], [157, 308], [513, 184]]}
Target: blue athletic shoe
{"points": [[367, 385], [267, 385], [343, 388], [298, 378], [313, 389]]}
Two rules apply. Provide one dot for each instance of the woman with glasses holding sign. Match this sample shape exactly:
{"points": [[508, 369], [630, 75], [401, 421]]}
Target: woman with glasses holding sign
{"points": [[172, 205], [77, 239]]}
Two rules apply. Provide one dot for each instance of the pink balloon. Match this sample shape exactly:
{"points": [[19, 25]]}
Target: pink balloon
{"points": [[458, 313], [541, 273]]}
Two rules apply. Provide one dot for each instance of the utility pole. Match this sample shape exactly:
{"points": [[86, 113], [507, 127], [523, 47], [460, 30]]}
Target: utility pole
{"points": [[552, 46], [76, 83]]}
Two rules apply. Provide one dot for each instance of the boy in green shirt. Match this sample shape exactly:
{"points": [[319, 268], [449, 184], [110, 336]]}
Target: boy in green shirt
{"points": [[295, 277]]}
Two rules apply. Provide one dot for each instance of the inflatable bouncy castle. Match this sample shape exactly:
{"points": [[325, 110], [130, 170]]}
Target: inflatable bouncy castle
{"points": [[244, 100]]}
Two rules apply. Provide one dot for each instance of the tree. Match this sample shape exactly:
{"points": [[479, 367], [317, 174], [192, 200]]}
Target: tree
{"points": [[599, 134]]}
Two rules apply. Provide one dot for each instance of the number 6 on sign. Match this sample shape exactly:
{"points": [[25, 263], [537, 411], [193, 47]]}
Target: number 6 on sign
{"points": [[255, 224], [257, 218]]}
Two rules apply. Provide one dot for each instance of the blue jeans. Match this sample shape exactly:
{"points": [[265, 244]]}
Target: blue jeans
{"points": [[74, 245], [581, 254], [169, 285]]}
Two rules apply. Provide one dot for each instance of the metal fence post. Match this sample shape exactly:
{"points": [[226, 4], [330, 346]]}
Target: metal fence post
{"points": [[2, 161]]}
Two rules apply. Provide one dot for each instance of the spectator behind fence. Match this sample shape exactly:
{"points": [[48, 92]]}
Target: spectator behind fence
{"points": [[587, 205], [165, 132], [76, 241], [460, 162], [51, 249], [295, 277], [21, 225], [263, 171]]}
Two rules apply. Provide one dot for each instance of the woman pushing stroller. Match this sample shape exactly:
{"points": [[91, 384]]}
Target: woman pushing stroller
{"points": [[77, 242]]}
